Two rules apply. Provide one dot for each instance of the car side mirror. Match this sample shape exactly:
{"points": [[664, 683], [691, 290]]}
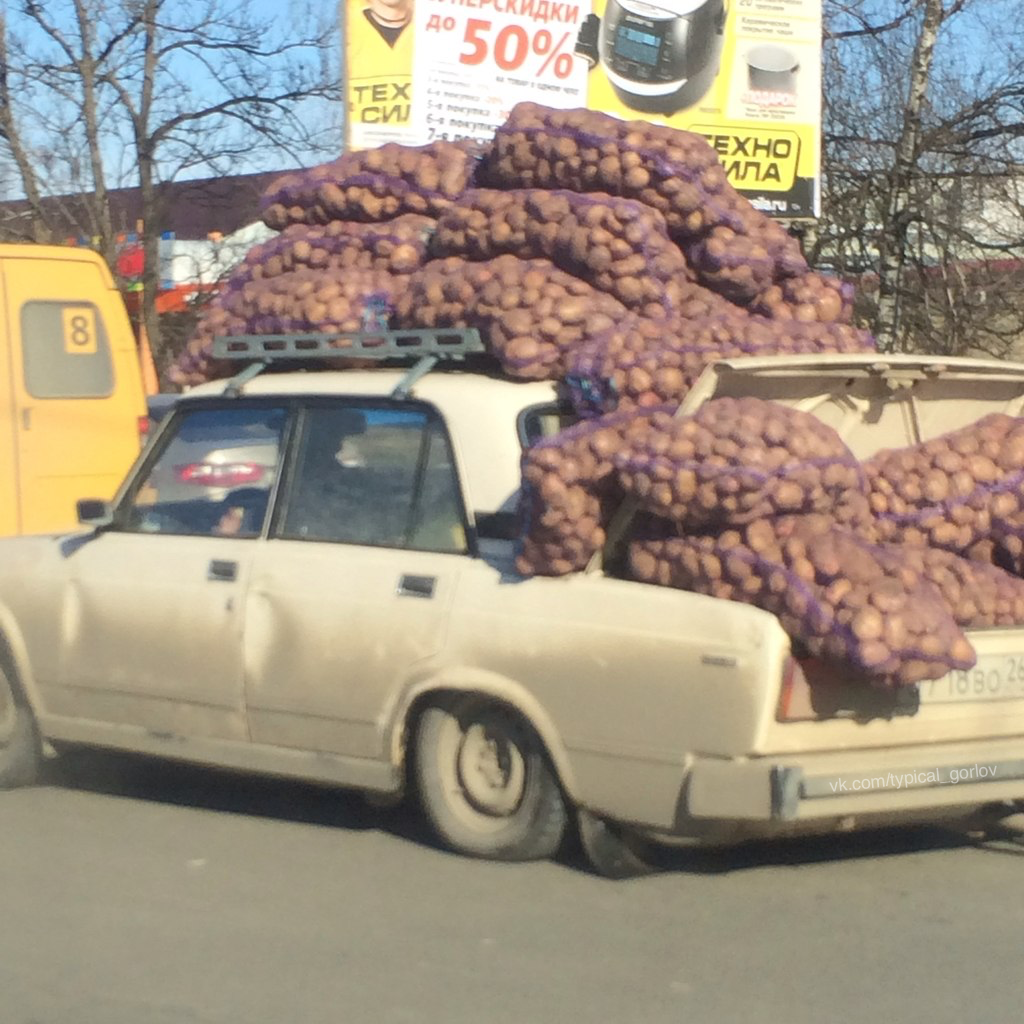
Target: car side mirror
{"points": [[93, 512]]}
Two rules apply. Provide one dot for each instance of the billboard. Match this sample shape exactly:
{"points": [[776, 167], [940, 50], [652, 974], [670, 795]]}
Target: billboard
{"points": [[746, 74], [378, 39]]}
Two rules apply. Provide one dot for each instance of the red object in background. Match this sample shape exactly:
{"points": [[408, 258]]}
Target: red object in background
{"points": [[215, 474], [131, 260], [178, 298], [170, 300]]}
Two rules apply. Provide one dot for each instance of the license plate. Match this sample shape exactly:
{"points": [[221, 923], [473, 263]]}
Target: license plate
{"points": [[995, 677]]}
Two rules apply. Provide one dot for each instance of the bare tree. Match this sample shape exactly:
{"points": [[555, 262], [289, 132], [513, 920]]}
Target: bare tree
{"points": [[144, 92], [923, 169], [898, 214], [24, 159]]}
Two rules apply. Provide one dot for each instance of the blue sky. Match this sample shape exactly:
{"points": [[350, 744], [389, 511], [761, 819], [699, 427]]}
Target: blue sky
{"points": [[52, 134]]}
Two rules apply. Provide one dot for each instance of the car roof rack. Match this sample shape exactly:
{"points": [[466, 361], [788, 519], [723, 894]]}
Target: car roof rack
{"points": [[427, 346]]}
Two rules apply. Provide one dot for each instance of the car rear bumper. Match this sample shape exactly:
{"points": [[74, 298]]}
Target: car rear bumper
{"points": [[830, 789]]}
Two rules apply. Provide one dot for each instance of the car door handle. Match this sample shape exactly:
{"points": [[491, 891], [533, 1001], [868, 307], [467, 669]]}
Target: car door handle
{"points": [[416, 586], [221, 569]]}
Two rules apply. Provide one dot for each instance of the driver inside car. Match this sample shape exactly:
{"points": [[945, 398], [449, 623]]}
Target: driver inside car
{"points": [[331, 499], [243, 512]]}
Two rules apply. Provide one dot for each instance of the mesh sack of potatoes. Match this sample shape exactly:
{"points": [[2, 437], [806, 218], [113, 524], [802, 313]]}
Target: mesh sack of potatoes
{"points": [[736, 460], [311, 300], [807, 298], [979, 596], [531, 315], [617, 245], [643, 362], [564, 525], [194, 363], [1003, 548], [372, 185], [733, 247], [842, 597], [568, 492], [440, 294], [960, 492], [398, 246], [742, 262], [321, 301]]}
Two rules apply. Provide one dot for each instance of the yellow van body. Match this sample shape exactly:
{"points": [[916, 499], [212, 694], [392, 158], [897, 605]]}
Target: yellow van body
{"points": [[72, 402]]}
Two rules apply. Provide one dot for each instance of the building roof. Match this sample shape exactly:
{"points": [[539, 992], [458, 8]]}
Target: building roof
{"points": [[190, 209]]}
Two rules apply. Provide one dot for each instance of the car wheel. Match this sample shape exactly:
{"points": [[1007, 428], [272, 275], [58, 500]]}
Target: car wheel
{"points": [[612, 851], [20, 750], [485, 782]]}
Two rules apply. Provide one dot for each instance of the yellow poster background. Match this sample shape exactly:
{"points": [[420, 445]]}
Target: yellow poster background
{"points": [[761, 109], [378, 78], [768, 142]]}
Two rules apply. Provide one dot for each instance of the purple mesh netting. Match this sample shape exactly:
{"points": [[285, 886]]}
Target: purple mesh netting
{"points": [[371, 185], [864, 610], [673, 171], [398, 246], [618, 246]]}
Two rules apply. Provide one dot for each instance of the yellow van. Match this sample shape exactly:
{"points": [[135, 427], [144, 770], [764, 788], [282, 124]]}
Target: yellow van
{"points": [[72, 403]]}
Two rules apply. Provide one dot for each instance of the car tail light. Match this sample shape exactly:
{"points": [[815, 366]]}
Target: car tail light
{"points": [[145, 429], [220, 474], [795, 704]]}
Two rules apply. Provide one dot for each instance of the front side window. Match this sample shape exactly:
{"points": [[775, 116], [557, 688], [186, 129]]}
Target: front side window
{"points": [[213, 476], [380, 476], [65, 351]]}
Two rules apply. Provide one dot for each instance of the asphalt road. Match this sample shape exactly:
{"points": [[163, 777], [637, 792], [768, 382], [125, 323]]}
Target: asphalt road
{"points": [[133, 893]]}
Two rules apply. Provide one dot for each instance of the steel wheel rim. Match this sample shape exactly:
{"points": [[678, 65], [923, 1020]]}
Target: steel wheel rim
{"points": [[478, 796], [491, 770]]}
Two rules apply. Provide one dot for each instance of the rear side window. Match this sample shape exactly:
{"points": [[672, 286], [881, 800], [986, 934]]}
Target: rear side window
{"points": [[65, 350], [540, 421], [376, 476]]}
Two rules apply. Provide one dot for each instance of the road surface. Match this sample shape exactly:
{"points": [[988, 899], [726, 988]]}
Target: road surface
{"points": [[138, 893]]}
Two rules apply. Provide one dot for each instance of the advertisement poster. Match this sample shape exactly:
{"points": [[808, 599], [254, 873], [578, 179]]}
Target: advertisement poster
{"points": [[745, 74], [377, 36], [473, 64]]}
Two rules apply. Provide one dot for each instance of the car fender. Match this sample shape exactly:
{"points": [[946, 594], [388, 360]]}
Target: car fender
{"points": [[32, 594], [490, 684], [14, 656]]}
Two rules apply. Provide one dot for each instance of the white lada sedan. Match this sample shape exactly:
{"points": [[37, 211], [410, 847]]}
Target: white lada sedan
{"points": [[310, 575]]}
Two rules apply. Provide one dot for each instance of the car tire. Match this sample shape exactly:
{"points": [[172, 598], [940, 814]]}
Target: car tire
{"points": [[612, 851], [20, 750], [485, 782]]}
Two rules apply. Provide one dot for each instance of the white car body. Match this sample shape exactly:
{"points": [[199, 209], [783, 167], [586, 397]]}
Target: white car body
{"points": [[657, 708]]}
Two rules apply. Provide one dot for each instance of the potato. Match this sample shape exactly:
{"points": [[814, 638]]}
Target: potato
{"points": [[632, 288], [676, 350], [578, 454]]}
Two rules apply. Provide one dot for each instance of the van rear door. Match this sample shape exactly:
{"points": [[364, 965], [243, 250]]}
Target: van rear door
{"points": [[75, 381]]}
